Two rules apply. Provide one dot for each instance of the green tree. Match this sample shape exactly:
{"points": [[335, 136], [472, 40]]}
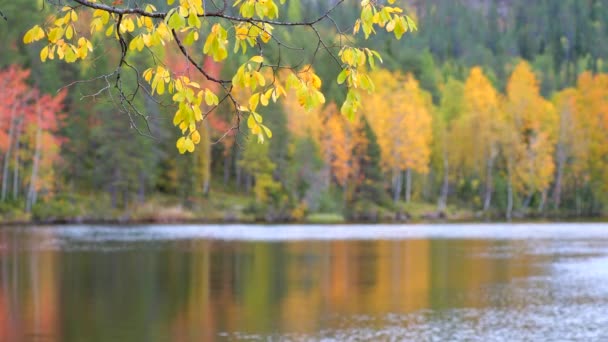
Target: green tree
{"points": [[445, 137], [368, 187]]}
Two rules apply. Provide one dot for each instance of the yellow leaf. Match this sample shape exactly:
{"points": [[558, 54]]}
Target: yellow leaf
{"points": [[210, 98], [196, 137], [160, 88], [253, 101], [183, 126], [264, 99], [260, 79], [148, 75], [55, 34], [181, 145], [189, 145], [69, 32], [33, 34], [257, 59], [267, 131], [251, 122], [265, 36], [44, 53], [316, 81], [256, 129]]}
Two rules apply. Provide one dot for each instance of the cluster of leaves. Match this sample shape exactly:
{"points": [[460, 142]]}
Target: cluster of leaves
{"points": [[387, 17], [182, 23], [354, 59], [62, 37]]}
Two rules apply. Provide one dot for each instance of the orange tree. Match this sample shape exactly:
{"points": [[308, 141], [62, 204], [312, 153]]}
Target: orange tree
{"points": [[225, 30]]}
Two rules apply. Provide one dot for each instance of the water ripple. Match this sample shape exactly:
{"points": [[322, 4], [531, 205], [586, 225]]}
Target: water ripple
{"points": [[561, 231]]}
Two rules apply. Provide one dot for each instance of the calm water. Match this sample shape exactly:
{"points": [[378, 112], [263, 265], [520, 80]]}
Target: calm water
{"points": [[334, 283]]}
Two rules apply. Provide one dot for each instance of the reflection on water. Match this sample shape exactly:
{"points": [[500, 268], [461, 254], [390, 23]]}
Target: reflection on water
{"points": [[204, 283]]}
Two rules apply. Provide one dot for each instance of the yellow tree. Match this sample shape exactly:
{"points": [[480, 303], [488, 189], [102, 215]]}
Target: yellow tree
{"points": [[400, 115], [533, 124], [592, 118], [479, 129], [301, 122], [571, 150], [336, 145]]}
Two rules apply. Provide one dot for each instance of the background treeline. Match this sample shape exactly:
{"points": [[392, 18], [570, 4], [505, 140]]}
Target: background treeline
{"points": [[495, 107]]}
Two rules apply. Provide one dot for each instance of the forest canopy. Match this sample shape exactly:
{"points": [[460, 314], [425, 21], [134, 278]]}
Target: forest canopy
{"points": [[492, 109]]}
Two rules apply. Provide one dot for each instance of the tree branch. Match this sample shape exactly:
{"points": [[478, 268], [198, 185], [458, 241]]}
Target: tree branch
{"points": [[220, 14], [183, 50]]}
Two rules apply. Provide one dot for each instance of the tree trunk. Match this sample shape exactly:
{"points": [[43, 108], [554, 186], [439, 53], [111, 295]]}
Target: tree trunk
{"points": [[557, 190], [125, 198], [237, 170], [489, 183], [543, 200], [227, 160], [445, 186], [397, 185], [345, 194], [248, 183], [113, 189], [16, 166], [527, 200], [408, 185], [141, 193], [428, 185], [207, 158], [7, 155], [32, 192], [509, 199], [577, 199]]}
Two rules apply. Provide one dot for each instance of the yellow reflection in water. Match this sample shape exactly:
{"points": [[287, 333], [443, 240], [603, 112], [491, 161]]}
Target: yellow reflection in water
{"points": [[199, 290]]}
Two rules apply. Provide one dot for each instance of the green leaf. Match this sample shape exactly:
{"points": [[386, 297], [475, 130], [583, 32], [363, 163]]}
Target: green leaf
{"points": [[190, 38], [210, 98], [342, 76], [176, 21], [267, 131]]}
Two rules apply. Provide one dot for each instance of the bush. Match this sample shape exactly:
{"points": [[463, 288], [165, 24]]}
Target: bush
{"points": [[329, 202], [365, 211], [57, 209], [12, 211], [325, 218], [73, 207]]}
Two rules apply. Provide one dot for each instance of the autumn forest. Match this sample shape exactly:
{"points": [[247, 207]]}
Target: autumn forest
{"points": [[493, 109]]}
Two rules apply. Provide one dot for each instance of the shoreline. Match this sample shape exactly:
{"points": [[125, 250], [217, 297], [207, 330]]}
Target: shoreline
{"points": [[141, 222]]}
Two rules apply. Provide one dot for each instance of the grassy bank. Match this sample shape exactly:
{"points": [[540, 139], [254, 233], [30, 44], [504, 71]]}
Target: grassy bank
{"points": [[227, 208]]}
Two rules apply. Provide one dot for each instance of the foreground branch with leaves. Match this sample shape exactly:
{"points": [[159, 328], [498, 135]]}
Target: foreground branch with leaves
{"points": [[246, 25]]}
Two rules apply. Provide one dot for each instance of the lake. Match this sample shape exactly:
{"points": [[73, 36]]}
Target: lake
{"points": [[456, 282]]}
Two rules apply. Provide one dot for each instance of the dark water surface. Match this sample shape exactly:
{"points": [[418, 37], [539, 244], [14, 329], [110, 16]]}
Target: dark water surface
{"points": [[527, 282]]}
